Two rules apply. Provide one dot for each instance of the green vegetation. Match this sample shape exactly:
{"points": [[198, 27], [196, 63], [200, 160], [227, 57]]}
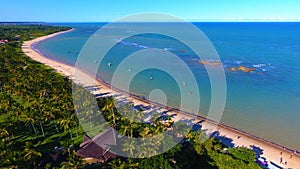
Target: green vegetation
{"points": [[196, 151], [27, 32], [36, 109], [37, 114]]}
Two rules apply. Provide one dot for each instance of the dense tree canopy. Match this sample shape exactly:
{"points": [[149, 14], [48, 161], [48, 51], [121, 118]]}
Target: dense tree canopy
{"points": [[35, 102]]}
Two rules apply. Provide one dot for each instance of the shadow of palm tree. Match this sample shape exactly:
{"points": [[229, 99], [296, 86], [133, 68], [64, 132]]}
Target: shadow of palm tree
{"points": [[258, 151], [225, 140]]}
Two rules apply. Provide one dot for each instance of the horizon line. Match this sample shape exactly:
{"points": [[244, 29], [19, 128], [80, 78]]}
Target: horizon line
{"points": [[192, 21]]}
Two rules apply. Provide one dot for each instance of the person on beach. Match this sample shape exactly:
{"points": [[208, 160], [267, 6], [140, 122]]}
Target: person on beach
{"points": [[281, 160]]}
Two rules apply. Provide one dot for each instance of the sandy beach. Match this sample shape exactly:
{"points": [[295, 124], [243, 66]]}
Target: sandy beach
{"points": [[271, 151]]}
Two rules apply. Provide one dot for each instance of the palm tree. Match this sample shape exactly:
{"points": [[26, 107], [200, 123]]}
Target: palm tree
{"points": [[109, 109], [73, 161], [158, 127], [40, 119], [29, 120], [28, 115], [117, 164], [5, 133], [132, 113], [67, 122], [124, 130], [110, 103], [11, 122], [129, 147], [112, 117], [127, 110], [30, 154], [146, 132]]}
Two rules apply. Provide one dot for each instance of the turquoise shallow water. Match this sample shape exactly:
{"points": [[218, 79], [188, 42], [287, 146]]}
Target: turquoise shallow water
{"points": [[265, 102]]}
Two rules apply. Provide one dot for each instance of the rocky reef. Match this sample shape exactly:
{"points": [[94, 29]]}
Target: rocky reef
{"points": [[210, 63], [242, 68]]}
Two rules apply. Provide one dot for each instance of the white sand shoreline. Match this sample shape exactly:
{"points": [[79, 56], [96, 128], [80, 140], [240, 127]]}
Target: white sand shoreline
{"points": [[239, 138]]}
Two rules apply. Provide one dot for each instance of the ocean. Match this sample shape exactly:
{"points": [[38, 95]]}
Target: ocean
{"points": [[265, 102]]}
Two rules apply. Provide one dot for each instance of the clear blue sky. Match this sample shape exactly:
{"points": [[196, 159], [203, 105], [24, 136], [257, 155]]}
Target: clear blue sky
{"points": [[109, 10]]}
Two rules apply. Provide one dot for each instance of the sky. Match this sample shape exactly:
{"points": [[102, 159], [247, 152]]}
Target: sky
{"points": [[110, 10]]}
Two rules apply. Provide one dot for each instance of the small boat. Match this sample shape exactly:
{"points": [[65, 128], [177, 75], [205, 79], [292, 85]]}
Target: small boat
{"points": [[129, 70], [109, 64], [151, 78]]}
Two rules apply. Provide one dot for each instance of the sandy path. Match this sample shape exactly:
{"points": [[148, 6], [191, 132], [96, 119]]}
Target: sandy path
{"points": [[271, 151]]}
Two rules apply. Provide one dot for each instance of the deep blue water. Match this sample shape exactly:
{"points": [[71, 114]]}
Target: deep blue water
{"points": [[265, 102]]}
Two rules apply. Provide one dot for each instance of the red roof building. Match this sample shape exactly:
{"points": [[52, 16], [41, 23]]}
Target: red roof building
{"points": [[4, 41]]}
